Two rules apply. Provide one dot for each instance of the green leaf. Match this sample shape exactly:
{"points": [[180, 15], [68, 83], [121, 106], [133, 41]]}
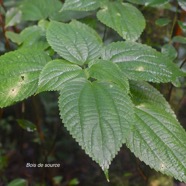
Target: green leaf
{"points": [[26, 125], [19, 74], [14, 37], [143, 92], [179, 39], [33, 36], [18, 182], [13, 17], [169, 51], [98, 116], [75, 42], [74, 181], [124, 18], [182, 4], [81, 5], [162, 21], [35, 10], [141, 62], [182, 25], [108, 71], [56, 73], [157, 138], [149, 2]]}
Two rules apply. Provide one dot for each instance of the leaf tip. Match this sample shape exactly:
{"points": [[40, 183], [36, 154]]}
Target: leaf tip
{"points": [[107, 175]]}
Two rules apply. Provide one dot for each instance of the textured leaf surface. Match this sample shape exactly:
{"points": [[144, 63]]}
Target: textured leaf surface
{"points": [[157, 138], [81, 5], [108, 71], [56, 73], [141, 62], [19, 74], [124, 18], [98, 116], [40, 9], [75, 42]]}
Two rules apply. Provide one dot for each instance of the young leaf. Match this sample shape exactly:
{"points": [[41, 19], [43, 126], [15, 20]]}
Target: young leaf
{"points": [[108, 71], [56, 73], [157, 138], [35, 10], [141, 62], [98, 116], [27, 125], [124, 18], [81, 5], [75, 42], [19, 74]]}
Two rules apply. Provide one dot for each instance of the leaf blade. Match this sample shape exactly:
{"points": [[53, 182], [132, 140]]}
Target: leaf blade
{"points": [[141, 62], [124, 18], [81, 5], [89, 111], [56, 73], [75, 42], [19, 74], [108, 71], [154, 138]]}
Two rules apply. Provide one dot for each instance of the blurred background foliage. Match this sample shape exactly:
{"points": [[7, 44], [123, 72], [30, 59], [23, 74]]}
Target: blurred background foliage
{"points": [[32, 132]]}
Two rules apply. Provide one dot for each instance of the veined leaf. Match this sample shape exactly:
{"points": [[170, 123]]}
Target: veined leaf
{"points": [[157, 138], [81, 5], [56, 73], [141, 62], [19, 74], [40, 9], [108, 71], [98, 116], [75, 42], [124, 18], [143, 92]]}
